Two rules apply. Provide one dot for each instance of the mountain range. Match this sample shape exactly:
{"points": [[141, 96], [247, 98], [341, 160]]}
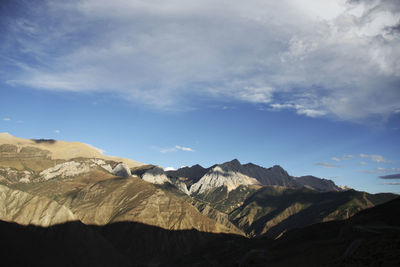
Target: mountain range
{"points": [[74, 188]]}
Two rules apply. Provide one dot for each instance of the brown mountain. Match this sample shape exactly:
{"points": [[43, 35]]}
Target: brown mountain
{"points": [[112, 201]]}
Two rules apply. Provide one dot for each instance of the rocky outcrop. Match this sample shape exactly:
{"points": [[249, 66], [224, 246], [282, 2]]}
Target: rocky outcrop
{"points": [[222, 176], [155, 175], [191, 174], [67, 169], [122, 170], [9, 175], [181, 185], [101, 163]]}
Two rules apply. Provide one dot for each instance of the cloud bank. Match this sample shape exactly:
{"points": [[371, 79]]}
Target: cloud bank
{"points": [[391, 176], [317, 58], [327, 165]]}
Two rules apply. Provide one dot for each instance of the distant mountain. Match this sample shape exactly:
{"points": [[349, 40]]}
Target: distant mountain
{"points": [[232, 174], [229, 174], [190, 175], [318, 184]]}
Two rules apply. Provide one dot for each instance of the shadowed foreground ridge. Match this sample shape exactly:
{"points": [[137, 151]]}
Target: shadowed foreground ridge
{"points": [[371, 237], [117, 244]]}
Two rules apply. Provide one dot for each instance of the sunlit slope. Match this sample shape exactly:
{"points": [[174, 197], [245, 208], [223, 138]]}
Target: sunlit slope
{"points": [[99, 198], [58, 150]]}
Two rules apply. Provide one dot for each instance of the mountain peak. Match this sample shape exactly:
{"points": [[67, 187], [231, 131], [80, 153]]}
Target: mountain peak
{"points": [[235, 161], [233, 165], [197, 166]]}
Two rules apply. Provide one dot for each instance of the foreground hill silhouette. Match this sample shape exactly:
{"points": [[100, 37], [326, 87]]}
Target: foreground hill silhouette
{"points": [[370, 238]]}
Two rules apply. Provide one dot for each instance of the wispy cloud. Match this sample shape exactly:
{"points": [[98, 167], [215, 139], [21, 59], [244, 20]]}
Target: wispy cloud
{"points": [[380, 170], [6, 119], [300, 109], [174, 149], [316, 58], [327, 165], [391, 183], [391, 176], [375, 158], [372, 157], [57, 131], [187, 149]]}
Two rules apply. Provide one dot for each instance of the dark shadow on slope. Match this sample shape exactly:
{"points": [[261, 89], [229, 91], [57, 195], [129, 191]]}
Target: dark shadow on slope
{"points": [[117, 244], [372, 237], [322, 205], [46, 141]]}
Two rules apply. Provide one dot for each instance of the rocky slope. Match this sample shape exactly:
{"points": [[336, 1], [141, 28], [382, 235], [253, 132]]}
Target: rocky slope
{"points": [[24, 208], [189, 175], [39, 188], [225, 198], [232, 174], [271, 211], [98, 197], [228, 175], [322, 185]]}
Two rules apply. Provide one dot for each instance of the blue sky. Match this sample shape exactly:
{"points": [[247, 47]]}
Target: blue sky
{"points": [[311, 86]]}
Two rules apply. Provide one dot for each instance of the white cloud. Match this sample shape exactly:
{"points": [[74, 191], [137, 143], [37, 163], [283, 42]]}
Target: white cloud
{"points": [[380, 170], [372, 157], [300, 109], [187, 149], [327, 165], [311, 112], [174, 149], [6, 119], [169, 169], [375, 158], [57, 131], [317, 58], [255, 95]]}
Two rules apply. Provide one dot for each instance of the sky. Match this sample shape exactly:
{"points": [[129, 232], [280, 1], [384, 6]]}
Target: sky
{"points": [[312, 86]]}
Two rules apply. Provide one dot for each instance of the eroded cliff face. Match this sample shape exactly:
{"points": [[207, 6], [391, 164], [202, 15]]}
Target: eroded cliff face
{"points": [[24, 208], [98, 197]]}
